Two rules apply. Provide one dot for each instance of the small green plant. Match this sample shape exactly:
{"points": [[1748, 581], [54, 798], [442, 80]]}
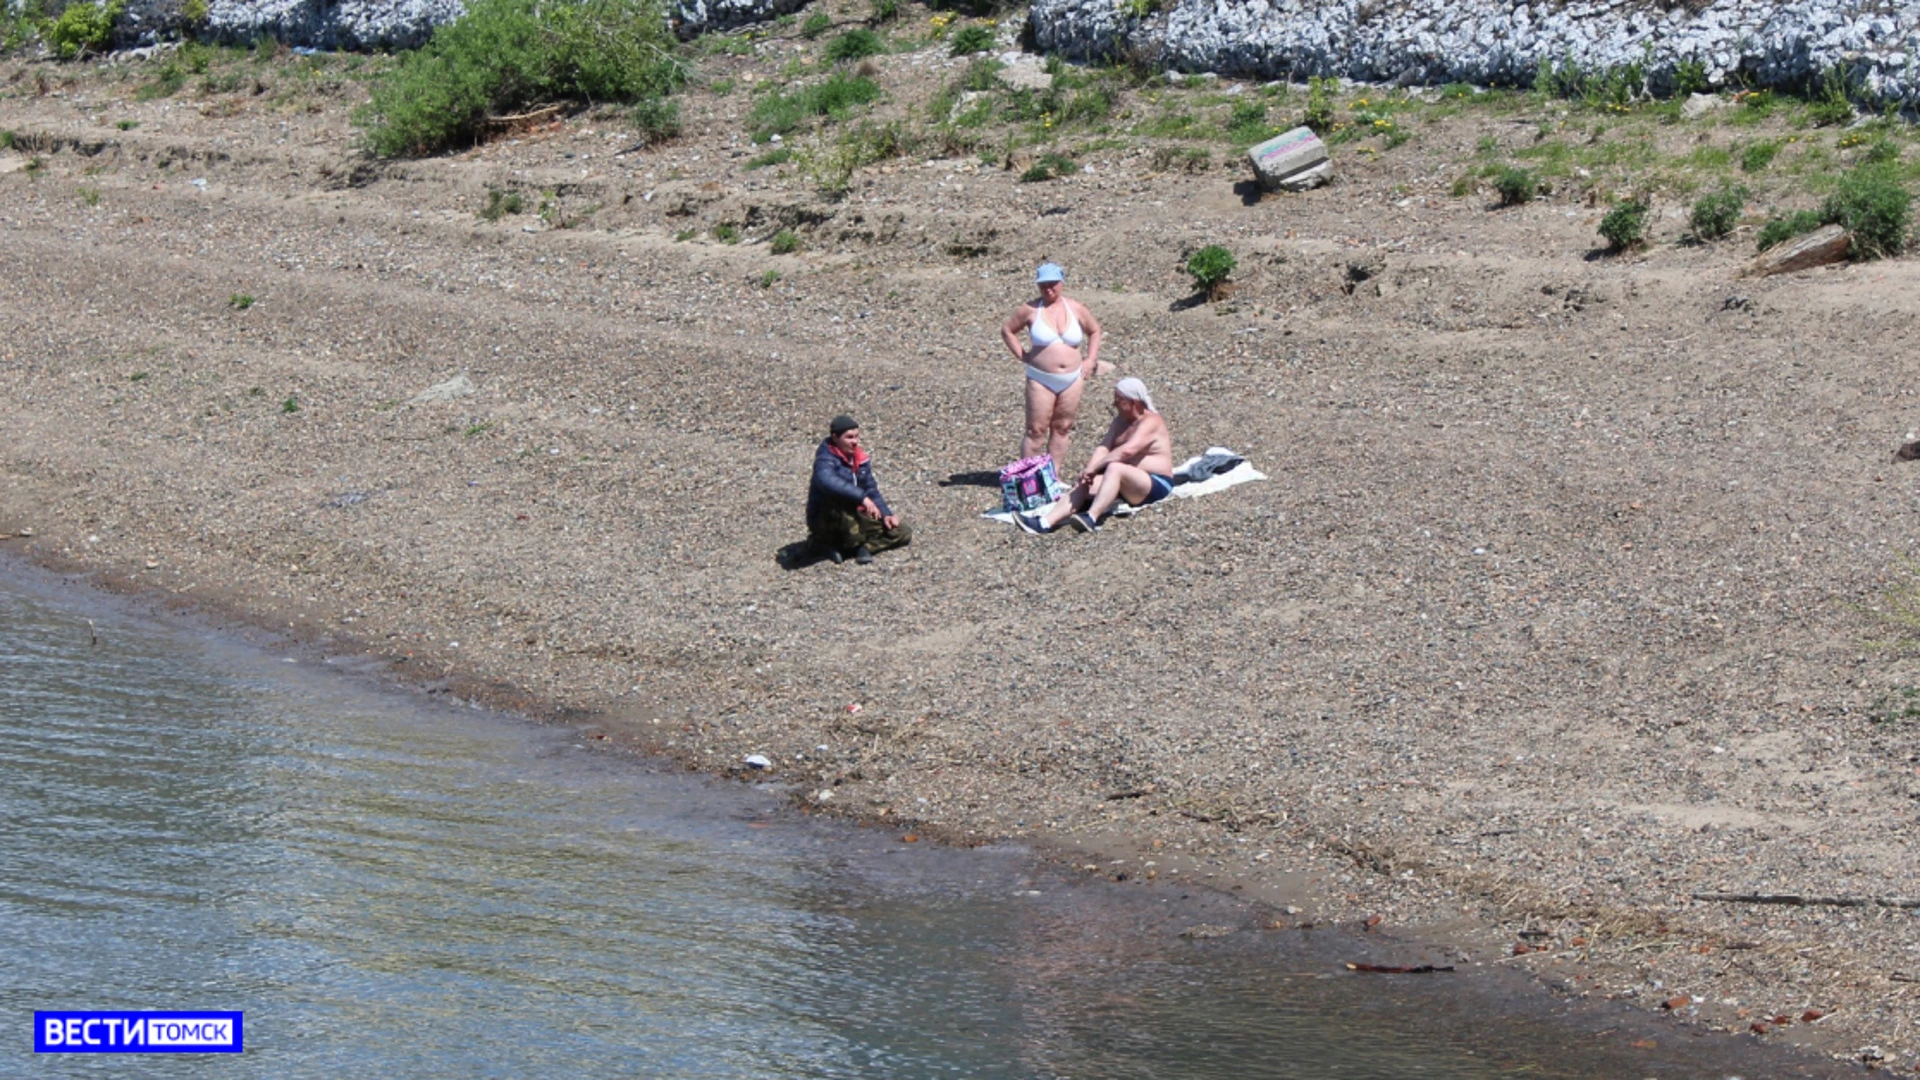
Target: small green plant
{"points": [[684, 235], [6, 140], [656, 119], [240, 301], [726, 234], [127, 125], [1319, 115], [769, 279], [1048, 166], [1756, 156], [779, 155], [1900, 705], [138, 376], [969, 39], [1871, 203], [1831, 104], [1625, 226], [1210, 267], [816, 24], [881, 12], [85, 26], [1515, 185], [1783, 227], [89, 195], [1716, 213], [500, 204], [855, 45], [721, 87], [784, 242], [1690, 77], [291, 405], [1247, 122]]}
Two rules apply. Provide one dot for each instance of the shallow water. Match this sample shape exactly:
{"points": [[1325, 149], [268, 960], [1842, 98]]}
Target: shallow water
{"points": [[386, 885]]}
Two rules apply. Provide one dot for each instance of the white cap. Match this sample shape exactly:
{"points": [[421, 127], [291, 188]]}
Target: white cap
{"points": [[1134, 390]]}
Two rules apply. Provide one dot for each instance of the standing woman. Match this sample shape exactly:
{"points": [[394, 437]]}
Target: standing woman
{"points": [[1056, 373]]}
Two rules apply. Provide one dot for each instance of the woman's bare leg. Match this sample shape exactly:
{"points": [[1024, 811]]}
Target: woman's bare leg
{"points": [[1040, 408], [1066, 406]]}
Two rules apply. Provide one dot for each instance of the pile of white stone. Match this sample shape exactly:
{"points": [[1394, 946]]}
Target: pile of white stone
{"points": [[1488, 42]]}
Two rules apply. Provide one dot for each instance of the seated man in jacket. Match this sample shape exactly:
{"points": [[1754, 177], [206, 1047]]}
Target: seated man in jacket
{"points": [[846, 514]]}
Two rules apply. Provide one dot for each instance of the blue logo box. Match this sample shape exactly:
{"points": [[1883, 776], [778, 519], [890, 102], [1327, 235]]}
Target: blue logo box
{"points": [[114, 1031]]}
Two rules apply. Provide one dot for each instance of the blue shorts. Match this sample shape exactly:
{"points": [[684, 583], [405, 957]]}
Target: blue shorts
{"points": [[1162, 487]]}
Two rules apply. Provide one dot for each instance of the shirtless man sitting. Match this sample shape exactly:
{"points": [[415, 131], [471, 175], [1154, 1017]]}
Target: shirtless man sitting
{"points": [[1134, 462]]}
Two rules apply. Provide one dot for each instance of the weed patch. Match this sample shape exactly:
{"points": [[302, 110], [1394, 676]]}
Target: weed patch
{"points": [[1049, 166], [240, 301], [784, 242], [855, 45], [1872, 204], [500, 204], [836, 98], [969, 39]]}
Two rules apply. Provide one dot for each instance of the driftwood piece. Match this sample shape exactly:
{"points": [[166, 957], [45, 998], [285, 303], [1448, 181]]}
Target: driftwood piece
{"points": [[1415, 969], [1827, 244], [1809, 900], [519, 122]]}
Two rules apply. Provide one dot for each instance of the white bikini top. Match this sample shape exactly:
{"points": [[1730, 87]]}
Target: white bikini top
{"points": [[1041, 332]]}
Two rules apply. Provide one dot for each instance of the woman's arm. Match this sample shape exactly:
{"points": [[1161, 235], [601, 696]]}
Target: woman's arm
{"points": [[1092, 326], [1010, 330]]}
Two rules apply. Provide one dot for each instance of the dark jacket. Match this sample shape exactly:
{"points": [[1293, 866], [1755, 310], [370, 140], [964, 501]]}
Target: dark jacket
{"points": [[837, 485]]}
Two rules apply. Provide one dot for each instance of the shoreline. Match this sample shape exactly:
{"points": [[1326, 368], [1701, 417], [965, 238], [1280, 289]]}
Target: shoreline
{"points": [[1497, 998], [1551, 617]]}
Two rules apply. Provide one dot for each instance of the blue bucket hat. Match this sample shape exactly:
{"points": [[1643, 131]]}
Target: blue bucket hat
{"points": [[1049, 272]]}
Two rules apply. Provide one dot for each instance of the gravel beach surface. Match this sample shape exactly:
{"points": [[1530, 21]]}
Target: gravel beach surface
{"points": [[1565, 604]]}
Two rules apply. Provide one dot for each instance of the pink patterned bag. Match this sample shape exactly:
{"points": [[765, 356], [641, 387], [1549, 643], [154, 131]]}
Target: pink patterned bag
{"points": [[1029, 484]]}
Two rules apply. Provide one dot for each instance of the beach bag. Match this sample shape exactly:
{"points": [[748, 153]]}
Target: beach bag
{"points": [[1029, 484]]}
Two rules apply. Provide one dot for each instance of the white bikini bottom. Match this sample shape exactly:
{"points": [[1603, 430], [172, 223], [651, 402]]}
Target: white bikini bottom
{"points": [[1056, 381]]}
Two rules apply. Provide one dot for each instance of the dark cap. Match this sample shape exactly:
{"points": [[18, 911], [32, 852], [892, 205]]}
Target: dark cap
{"points": [[842, 424]]}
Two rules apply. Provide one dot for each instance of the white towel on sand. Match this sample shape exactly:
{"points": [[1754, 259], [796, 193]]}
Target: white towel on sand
{"points": [[1239, 474]]}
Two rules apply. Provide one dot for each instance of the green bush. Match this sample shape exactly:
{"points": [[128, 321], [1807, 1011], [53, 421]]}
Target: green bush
{"points": [[1875, 207], [85, 26], [1779, 229], [778, 113], [883, 11], [657, 118], [784, 243], [817, 23], [1690, 77], [1210, 267], [505, 55], [1515, 185], [855, 45], [1830, 105], [971, 38], [726, 234], [1625, 226], [1716, 213]]}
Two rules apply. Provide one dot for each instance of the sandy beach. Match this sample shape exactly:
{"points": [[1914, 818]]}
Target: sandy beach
{"points": [[1565, 604]]}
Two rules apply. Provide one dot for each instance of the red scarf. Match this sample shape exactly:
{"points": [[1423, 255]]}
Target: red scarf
{"points": [[858, 459]]}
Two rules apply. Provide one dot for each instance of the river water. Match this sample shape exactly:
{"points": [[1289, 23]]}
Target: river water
{"points": [[390, 886]]}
